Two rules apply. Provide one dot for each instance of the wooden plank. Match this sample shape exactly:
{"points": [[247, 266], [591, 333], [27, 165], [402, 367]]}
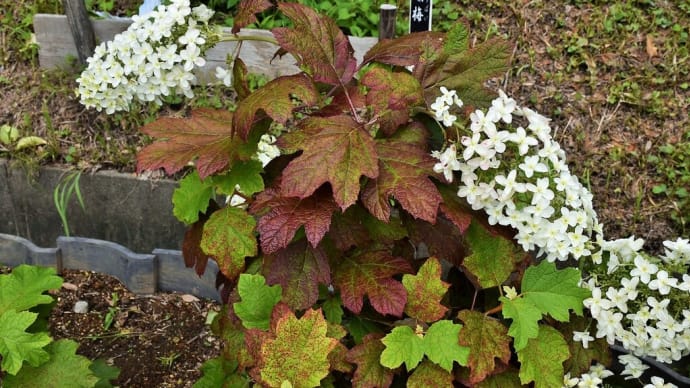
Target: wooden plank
{"points": [[80, 26], [56, 46]]}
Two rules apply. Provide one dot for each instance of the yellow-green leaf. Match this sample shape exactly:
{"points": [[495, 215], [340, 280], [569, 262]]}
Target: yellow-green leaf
{"points": [[299, 351]]}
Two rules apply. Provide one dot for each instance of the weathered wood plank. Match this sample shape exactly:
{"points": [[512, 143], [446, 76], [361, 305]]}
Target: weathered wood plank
{"points": [[80, 27], [56, 46]]}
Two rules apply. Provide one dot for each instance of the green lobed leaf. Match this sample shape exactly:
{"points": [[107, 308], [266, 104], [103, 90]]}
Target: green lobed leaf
{"points": [[318, 44], [104, 372], [466, 72], [428, 374], [525, 318], [493, 257], [299, 269], [404, 170], [554, 291], [545, 290], [457, 39], [207, 136], [17, 345], [403, 345], [541, 361], [257, 301], [298, 352], [245, 173], [359, 328], [369, 373], [441, 345], [333, 310], [425, 291], [336, 150], [63, 368], [216, 374], [487, 339], [276, 100], [371, 273], [228, 237], [25, 286], [191, 198]]}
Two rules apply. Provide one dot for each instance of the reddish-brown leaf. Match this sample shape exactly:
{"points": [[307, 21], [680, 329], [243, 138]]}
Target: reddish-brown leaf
{"points": [[371, 273], [405, 50], [206, 135], [370, 373], [286, 215], [456, 210], [276, 100], [317, 43], [443, 239], [335, 150], [239, 79], [391, 95], [192, 253], [246, 13], [487, 339], [299, 269], [404, 171]]}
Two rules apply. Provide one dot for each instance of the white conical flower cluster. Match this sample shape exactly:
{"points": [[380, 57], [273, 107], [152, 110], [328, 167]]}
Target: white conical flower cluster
{"points": [[153, 58]]}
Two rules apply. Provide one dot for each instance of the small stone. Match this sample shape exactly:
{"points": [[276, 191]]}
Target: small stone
{"points": [[189, 298], [69, 286], [81, 307]]}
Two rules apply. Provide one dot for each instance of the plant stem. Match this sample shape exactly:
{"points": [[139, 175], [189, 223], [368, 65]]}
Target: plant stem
{"points": [[242, 38], [494, 310]]}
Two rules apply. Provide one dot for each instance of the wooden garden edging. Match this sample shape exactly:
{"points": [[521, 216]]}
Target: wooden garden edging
{"points": [[162, 270], [56, 46]]}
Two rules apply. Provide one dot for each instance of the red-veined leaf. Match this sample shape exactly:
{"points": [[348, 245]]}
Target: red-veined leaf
{"points": [[317, 44], [299, 269], [206, 136], [246, 13], [276, 100], [404, 171], [335, 150], [371, 273]]}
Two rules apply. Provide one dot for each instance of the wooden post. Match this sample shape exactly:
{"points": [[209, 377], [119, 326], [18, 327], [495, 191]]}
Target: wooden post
{"points": [[387, 21], [80, 25]]}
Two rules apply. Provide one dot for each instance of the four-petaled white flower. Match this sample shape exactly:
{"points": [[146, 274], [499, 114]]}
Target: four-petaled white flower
{"points": [[582, 336], [448, 162]]}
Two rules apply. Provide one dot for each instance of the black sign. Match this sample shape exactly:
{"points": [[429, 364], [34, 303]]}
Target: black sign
{"points": [[420, 15]]}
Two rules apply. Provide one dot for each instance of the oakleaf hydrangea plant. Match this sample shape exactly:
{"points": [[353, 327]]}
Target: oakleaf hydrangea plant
{"points": [[389, 220]]}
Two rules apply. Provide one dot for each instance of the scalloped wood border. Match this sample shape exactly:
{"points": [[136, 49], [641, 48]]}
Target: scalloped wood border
{"points": [[162, 270]]}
